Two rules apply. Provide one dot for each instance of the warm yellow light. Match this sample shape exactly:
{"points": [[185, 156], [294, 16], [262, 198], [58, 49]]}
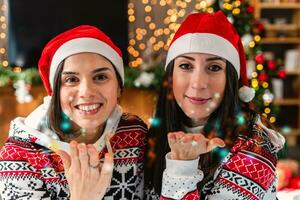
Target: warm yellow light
{"points": [[188, 1], [130, 5], [265, 85], [181, 13], [162, 2], [145, 1], [178, 3], [2, 35], [139, 36], [131, 18], [160, 43], [152, 40], [2, 19], [237, 3], [142, 46], [254, 83], [259, 67], [5, 63], [266, 103], [173, 18], [148, 8], [183, 5], [251, 44], [136, 54], [197, 6], [172, 26], [236, 11], [130, 49], [166, 47], [169, 2], [272, 119], [143, 31], [152, 26], [130, 11], [156, 47], [132, 42], [3, 26], [138, 31], [210, 10], [2, 50], [139, 61], [176, 27], [227, 6], [265, 115], [147, 19], [254, 74], [267, 110], [167, 20], [257, 38], [203, 4], [170, 12], [166, 31]]}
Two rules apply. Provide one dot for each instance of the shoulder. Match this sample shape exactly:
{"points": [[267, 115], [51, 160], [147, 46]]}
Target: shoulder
{"points": [[265, 135], [130, 121], [23, 151]]}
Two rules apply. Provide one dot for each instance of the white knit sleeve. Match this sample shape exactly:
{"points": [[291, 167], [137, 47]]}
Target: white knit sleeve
{"points": [[180, 177]]}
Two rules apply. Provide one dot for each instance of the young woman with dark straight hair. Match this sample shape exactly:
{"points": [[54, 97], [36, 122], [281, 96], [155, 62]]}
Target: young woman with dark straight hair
{"points": [[209, 143]]}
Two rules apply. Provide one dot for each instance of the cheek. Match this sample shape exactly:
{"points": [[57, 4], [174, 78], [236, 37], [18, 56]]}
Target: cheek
{"points": [[66, 97], [179, 87]]}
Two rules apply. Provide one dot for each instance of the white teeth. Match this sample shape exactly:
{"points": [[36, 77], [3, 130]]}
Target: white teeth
{"points": [[89, 107]]}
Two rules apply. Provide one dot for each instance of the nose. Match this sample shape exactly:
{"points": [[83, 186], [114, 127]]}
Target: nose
{"points": [[86, 89], [199, 80]]}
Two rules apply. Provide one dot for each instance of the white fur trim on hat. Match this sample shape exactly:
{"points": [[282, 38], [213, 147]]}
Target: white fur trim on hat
{"points": [[204, 43], [80, 45]]}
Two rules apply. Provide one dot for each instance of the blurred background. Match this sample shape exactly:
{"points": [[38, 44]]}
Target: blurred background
{"points": [[270, 32]]}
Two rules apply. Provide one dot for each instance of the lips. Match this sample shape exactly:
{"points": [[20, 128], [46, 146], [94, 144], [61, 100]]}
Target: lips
{"points": [[89, 108], [198, 100]]}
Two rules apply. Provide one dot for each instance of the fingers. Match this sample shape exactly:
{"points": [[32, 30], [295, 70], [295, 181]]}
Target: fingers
{"points": [[74, 155], [93, 155], [108, 145], [106, 172], [66, 159], [83, 158], [215, 142]]}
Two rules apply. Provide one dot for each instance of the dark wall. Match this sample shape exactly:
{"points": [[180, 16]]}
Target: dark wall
{"points": [[32, 23]]}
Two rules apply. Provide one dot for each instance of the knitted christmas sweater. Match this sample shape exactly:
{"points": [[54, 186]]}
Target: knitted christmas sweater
{"points": [[247, 172], [30, 169]]}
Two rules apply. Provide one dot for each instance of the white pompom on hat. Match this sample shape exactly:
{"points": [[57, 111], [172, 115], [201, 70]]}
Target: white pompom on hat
{"points": [[212, 34]]}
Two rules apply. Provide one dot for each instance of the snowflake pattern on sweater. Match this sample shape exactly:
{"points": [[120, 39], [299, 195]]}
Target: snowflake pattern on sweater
{"points": [[247, 172], [31, 171]]}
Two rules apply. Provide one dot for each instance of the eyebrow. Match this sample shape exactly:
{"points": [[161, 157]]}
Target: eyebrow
{"points": [[208, 59], [93, 72]]}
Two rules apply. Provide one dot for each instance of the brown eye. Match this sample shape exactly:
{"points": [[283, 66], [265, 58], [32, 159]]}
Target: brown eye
{"points": [[214, 68], [100, 77], [185, 66], [71, 79]]}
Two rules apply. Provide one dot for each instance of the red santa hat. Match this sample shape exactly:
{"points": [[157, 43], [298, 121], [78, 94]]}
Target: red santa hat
{"points": [[212, 34], [81, 39]]}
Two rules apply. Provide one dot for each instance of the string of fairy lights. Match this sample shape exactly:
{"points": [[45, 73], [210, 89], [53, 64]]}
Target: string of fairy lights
{"points": [[3, 34], [151, 33]]}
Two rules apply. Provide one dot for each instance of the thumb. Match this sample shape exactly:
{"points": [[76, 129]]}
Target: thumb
{"points": [[215, 142], [65, 157]]}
